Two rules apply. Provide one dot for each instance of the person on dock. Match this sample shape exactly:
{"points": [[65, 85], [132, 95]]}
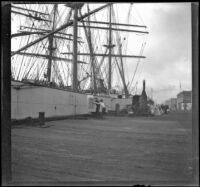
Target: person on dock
{"points": [[102, 108], [97, 106]]}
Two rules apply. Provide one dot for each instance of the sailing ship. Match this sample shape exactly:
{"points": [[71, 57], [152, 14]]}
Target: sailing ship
{"points": [[80, 48]]}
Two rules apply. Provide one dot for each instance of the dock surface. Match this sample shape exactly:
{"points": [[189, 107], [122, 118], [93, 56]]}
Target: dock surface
{"points": [[148, 149]]}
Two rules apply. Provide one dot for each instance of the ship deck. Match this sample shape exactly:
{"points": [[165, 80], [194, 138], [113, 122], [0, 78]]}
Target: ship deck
{"points": [[137, 150]]}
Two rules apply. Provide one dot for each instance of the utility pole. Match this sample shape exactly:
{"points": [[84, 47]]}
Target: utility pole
{"points": [[51, 47], [74, 83]]}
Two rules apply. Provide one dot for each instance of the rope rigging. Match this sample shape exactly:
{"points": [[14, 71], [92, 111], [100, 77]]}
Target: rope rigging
{"points": [[141, 52], [35, 67]]}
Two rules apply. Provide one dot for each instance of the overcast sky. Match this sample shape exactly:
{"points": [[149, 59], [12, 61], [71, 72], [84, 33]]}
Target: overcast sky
{"points": [[168, 50]]}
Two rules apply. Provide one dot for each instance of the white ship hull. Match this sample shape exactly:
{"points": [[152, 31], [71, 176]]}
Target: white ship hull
{"points": [[28, 100]]}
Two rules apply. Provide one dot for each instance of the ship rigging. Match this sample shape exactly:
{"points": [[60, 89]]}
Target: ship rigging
{"points": [[75, 46]]}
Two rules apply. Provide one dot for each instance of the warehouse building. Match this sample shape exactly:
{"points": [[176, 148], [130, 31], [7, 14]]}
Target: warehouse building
{"points": [[184, 100]]}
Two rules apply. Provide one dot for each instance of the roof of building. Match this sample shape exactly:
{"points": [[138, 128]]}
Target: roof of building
{"points": [[184, 92]]}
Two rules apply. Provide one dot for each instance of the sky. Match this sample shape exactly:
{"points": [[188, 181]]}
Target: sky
{"points": [[167, 66]]}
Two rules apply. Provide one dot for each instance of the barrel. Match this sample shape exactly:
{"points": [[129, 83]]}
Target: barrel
{"points": [[41, 118], [117, 109]]}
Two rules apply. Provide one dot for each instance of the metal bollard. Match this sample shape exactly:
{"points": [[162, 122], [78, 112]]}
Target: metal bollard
{"points": [[41, 118]]}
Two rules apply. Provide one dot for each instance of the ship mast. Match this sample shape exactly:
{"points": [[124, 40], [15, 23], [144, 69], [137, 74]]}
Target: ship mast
{"points": [[110, 27], [74, 83], [110, 49], [92, 57], [77, 6], [55, 33], [51, 47]]}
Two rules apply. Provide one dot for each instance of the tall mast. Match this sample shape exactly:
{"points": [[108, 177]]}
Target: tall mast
{"points": [[92, 57], [109, 46], [74, 82], [51, 47]]}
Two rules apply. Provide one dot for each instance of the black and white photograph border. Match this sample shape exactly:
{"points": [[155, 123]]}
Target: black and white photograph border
{"points": [[107, 102]]}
